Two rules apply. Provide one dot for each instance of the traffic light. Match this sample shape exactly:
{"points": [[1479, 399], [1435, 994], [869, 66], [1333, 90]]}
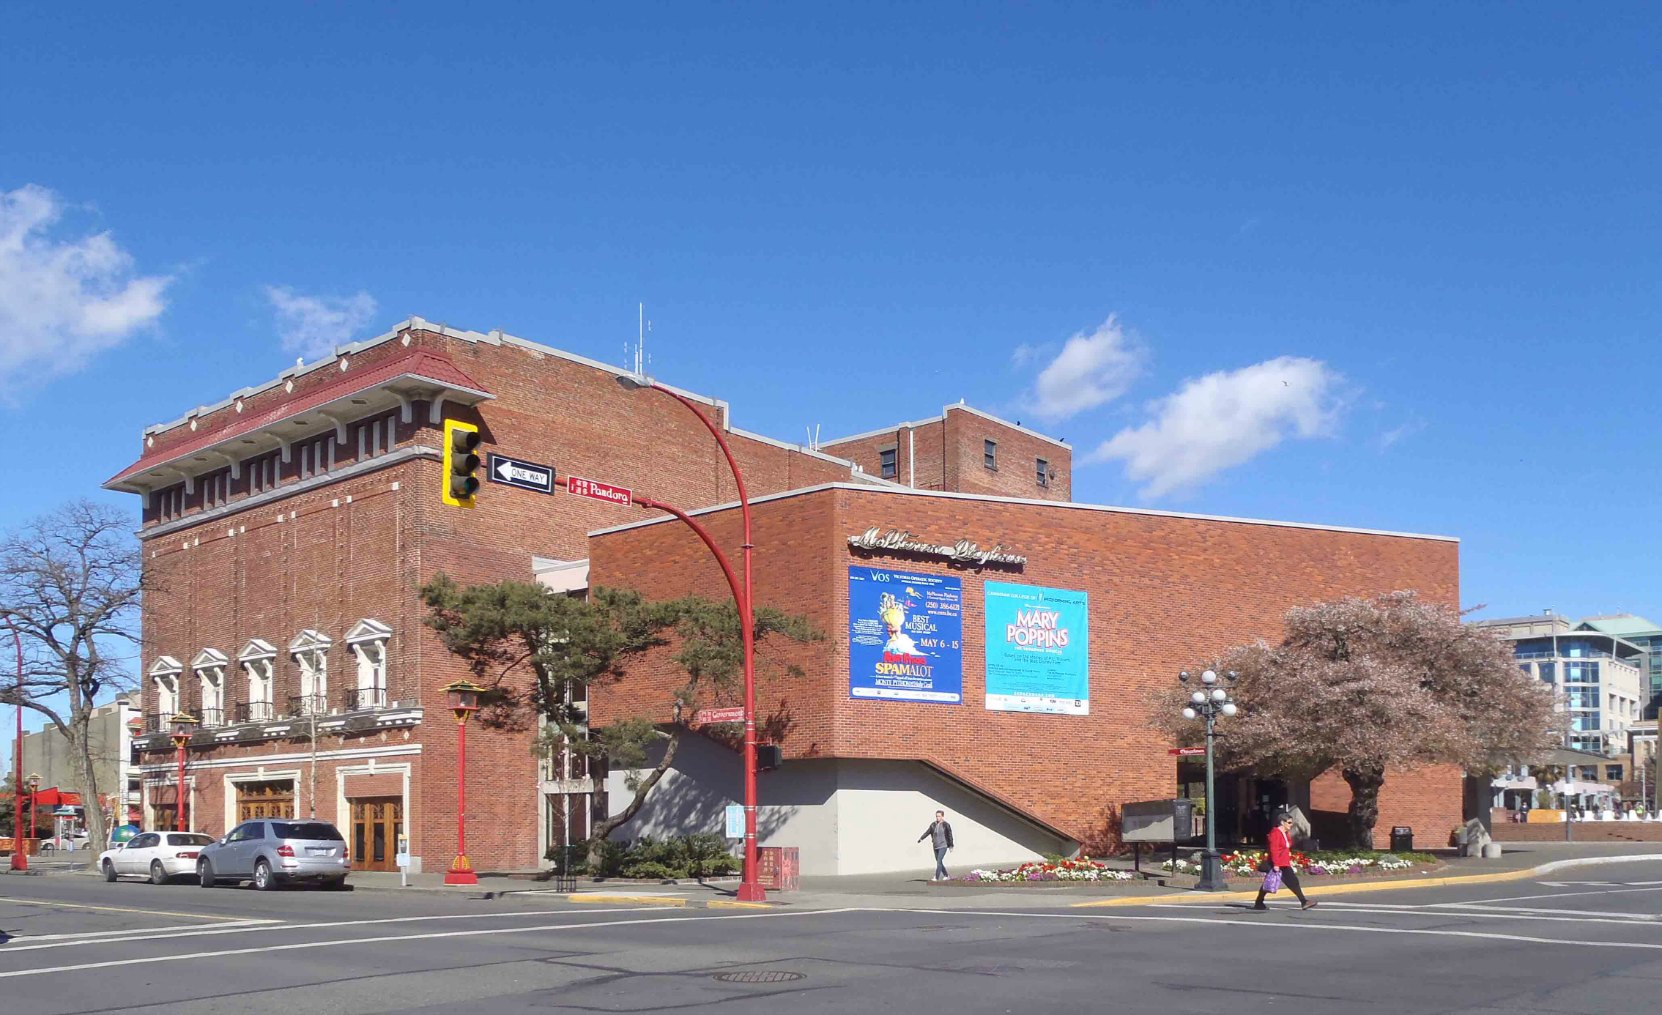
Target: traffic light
{"points": [[461, 464]]}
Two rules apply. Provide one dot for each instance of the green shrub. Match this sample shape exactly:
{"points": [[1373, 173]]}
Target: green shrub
{"points": [[649, 870], [687, 856]]}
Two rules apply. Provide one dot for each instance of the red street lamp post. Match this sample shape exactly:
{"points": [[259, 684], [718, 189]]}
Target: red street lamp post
{"points": [[464, 701], [34, 791], [20, 859], [750, 888], [179, 729]]}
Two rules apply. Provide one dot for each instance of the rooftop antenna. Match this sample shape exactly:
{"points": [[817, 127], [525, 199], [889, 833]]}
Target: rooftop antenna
{"points": [[644, 326]]}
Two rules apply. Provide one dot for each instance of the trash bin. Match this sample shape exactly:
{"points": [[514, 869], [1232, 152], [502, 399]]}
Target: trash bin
{"points": [[1402, 839]]}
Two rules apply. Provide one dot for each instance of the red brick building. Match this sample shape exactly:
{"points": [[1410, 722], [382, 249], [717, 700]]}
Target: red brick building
{"points": [[287, 529], [1164, 591]]}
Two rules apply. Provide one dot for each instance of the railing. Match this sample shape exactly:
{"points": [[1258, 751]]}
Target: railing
{"points": [[254, 711], [359, 699], [209, 717], [308, 704]]}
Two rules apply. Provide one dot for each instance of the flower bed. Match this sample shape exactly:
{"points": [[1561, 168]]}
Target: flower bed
{"points": [[1341, 863], [1081, 868]]}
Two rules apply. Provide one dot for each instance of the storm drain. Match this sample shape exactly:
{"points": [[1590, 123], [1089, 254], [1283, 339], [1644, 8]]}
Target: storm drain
{"points": [[759, 976]]}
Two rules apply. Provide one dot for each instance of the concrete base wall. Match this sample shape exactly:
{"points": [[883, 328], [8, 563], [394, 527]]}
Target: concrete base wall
{"points": [[846, 815]]}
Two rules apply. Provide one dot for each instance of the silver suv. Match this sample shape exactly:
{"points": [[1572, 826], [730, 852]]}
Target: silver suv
{"points": [[272, 853]]}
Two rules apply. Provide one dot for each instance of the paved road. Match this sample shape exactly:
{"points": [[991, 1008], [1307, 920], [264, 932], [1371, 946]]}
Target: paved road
{"points": [[1586, 940]]}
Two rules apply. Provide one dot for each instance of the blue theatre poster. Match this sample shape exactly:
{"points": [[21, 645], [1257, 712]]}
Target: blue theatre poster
{"points": [[1038, 650], [905, 636]]}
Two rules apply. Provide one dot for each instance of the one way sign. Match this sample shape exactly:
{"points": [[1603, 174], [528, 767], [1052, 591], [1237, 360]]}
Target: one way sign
{"points": [[525, 475]]}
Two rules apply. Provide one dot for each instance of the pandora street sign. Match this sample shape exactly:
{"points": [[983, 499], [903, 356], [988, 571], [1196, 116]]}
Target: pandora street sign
{"points": [[525, 475]]}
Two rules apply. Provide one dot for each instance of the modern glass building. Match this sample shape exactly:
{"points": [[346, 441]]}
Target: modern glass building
{"points": [[1647, 636], [1601, 679]]}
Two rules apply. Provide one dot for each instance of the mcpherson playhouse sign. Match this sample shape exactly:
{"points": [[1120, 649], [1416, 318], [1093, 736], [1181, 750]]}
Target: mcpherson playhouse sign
{"points": [[964, 552]]}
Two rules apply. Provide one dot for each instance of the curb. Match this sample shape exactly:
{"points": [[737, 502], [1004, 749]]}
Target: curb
{"points": [[1401, 884]]}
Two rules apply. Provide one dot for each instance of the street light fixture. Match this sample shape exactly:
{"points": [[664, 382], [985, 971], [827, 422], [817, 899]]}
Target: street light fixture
{"points": [[463, 697], [179, 729], [34, 790], [750, 888], [1210, 702]]}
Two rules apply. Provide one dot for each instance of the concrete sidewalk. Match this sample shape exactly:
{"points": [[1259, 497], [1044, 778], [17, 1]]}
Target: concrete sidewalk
{"points": [[914, 889]]}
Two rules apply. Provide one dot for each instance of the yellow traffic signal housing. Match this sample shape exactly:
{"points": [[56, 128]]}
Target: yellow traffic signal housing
{"points": [[461, 463]]}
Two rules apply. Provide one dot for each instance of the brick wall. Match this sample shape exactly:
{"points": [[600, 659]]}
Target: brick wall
{"points": [[1428, 800], [361, 547], [947, 454], [1584, 831], [1165, 592]]}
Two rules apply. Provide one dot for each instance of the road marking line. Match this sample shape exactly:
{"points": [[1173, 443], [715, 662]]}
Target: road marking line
{"points": [[1523, 910], [188, 928], [1445, 913], [1554, 942], [119, 909], [489, 931], [119, 937], [1549, 895]]}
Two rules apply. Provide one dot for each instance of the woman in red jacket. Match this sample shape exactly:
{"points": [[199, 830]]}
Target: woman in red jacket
{"points": [[1281, 857]]}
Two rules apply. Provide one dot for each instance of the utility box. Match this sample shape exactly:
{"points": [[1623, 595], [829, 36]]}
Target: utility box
{"points": [[1166, 821]]}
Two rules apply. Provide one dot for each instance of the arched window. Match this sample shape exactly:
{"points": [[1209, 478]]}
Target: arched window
{"points": [[310, 650], [257, 658], [209, 666], [164, 678], [368, 641]]}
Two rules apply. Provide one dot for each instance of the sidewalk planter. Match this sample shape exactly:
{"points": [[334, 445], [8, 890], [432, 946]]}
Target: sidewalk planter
{"points": [[1245, 864], [1080, 869]]}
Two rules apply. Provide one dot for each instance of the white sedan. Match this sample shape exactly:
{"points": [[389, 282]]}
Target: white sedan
{"points": [[156, 855]]}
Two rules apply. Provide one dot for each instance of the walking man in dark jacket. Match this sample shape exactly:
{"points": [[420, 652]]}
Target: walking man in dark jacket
{"points": [[941, 833]]}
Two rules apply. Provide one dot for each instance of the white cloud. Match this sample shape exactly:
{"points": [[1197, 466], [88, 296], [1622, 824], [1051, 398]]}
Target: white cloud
{"points": [[1408, 429], [312, 326], [1091, 370], [63, 300], [1223, 419]]}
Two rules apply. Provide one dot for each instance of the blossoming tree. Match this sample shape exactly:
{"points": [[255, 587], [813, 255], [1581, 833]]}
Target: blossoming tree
{"points": [[1367, 685]]}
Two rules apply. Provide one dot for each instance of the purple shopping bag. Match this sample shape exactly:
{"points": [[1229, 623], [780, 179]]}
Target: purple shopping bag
{"points": [[1272, 882]]}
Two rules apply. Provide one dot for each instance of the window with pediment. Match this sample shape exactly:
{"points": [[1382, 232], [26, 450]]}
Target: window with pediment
{"points": [[164, 678], [310, 650], [258, 659], [368, 640], [209, 666]]}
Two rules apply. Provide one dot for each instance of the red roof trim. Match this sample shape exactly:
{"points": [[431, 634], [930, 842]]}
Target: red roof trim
{"points": [[420, 363]]}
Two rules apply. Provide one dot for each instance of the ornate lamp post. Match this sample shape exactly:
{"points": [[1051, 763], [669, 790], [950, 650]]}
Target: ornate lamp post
{"points": [[179, 729], [464, 701], [34, 789], [20, 859], [1210, 701], [750, 887]]}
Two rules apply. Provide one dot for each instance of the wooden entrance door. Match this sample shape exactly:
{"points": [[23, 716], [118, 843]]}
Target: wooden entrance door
{"points": [[274, 799], [377, 822]]}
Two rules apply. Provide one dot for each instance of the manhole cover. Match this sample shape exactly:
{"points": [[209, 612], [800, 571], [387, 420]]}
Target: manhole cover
{"points": [[759, 976]]}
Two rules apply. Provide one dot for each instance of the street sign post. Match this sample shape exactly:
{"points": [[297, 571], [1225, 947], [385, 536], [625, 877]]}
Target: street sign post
{"points": [[619, 495], [520, 473], [1187, 752], [735, 821]]}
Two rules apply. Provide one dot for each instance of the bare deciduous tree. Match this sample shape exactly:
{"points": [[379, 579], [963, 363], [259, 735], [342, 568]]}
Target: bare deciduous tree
{"points": [[70, 581], [1367, 685]]}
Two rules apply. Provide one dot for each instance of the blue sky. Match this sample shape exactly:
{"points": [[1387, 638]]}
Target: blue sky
{"points": [[1435, 226]]}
